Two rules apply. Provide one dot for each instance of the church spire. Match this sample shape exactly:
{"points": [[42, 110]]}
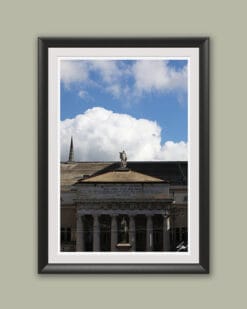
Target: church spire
{"points": [[71, 151]]}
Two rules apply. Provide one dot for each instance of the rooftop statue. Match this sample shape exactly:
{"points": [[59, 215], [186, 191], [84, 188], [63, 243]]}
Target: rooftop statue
{"points": [[123, 158]]}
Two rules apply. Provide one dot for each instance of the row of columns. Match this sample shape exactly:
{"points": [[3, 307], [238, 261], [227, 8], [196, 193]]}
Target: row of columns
{"points": [[80, 245]]}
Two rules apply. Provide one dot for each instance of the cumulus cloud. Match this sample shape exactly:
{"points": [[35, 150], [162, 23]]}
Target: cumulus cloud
{"points": [[108, 70], [158, 76], [121, 78], [171, 151], [100, 134], [73, 72]]}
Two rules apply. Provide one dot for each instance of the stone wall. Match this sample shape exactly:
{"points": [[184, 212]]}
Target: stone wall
{"points": [[123, 191]]}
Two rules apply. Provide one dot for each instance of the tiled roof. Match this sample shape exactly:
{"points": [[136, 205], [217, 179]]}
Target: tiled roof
{"points": [[174, 172], [121, 176]]}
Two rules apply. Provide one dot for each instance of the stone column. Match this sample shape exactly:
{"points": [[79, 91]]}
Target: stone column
{"points": [[132, 233], [79, 234], [166, 233], [149, 234], [96, 233], [114, 233]]}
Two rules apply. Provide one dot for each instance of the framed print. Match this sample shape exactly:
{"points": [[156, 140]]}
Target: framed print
{"points": [[123, 159]]}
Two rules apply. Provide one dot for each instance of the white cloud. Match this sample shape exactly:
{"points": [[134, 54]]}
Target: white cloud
{"points": [[73, 72], [115, 90], [171, 150], [114, 76], [100, 134], [109, 70], [158, 76], [82, 94]]}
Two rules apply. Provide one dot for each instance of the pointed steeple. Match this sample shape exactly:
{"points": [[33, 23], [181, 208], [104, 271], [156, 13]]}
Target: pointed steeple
{"points": [[71, 151]]}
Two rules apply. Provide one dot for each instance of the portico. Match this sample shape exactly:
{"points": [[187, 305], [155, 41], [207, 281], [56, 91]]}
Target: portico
{"points": [[104, 200], [114, 239]]}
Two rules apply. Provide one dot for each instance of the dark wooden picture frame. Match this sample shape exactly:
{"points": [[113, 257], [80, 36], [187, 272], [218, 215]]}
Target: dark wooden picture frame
{"points": [[44, 266]]}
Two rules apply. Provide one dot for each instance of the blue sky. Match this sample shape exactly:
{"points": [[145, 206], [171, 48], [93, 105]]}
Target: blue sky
{"points": [[152, 90]]}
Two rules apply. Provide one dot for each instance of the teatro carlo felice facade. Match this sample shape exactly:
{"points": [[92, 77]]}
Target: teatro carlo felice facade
{"points": [[120, 206]]}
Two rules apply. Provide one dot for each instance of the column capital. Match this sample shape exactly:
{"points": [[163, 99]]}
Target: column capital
{"points": [[149, 219], [78, 216]]}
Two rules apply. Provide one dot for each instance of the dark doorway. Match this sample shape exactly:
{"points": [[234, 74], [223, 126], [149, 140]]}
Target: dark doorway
{"points": [[157, 233], [140, 233], [88, 232], [105, 233]]}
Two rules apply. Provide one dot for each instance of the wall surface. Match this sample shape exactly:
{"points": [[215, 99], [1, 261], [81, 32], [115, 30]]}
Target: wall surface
{"points": [[21, 22]]}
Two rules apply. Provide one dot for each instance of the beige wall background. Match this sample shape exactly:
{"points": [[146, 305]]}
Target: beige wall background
{"points": [[21, 23]]}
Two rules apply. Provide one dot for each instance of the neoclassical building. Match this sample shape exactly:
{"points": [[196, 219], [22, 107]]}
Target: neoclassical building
{"points": [[115, 206]]}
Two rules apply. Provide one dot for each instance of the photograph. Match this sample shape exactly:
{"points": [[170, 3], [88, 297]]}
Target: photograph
{"points": [[123, 155], [123, 151]]}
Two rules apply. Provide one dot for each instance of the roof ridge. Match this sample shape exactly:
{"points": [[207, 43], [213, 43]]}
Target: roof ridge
{"points": [[121, 176]]}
